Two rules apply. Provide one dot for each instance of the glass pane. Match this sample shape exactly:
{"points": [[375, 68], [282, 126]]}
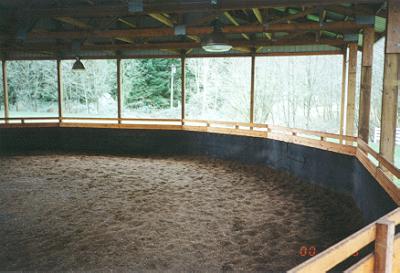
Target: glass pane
{"points": [[91, 92], [218, 89], [1, 93], [151, 88], [376, 93], [32, 87], [358, 88], [299, 92]]}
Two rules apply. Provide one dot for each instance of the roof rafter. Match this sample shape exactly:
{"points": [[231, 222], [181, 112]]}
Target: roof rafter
{"points": [[159, 32], [182, 7]]}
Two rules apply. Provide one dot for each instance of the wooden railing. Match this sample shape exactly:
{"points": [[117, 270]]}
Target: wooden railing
{"points": [[384, 259], [380, 168]]}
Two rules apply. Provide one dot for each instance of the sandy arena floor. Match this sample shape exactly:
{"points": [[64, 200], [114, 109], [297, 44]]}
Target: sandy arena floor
{"points": [[149, 214]]}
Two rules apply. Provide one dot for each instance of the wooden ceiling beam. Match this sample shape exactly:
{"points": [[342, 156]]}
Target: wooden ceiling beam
{"points": [[83, 25], [260, 19], [169, 45], [126, 22], [182, 7], [168, 22], [236, 23], [160, 32], [74, 22], [291, 17]]}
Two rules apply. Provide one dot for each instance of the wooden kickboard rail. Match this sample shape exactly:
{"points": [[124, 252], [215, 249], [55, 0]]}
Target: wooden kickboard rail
{"points": [[352, 244]]}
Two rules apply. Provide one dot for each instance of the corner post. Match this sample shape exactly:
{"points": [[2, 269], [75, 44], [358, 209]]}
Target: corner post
{"points": [[366, 82], [384, 246], [390, 82], [5, 90], [351, 90]]}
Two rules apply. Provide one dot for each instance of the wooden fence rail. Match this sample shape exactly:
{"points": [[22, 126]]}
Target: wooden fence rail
{"points": [[346, 248]]}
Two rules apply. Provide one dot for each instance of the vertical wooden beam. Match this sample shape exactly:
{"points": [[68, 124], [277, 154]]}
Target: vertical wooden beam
{"points": [[119, 90], [343, 95], [252, 86], [183, 89], [5, 90], [351, 89], [366, 83], [384, 247], [59, 91], [390, 82]]}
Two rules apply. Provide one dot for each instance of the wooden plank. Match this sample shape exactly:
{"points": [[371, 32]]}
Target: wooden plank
{"points": [[5, 89], [382, 161], [343, 95], [121, 126], [390, 82], [235, 22], [391, 189], [365, 265], [73, 22], [345, 248], [338, 253], [351, 89], [182, 7], [168, 22], [388, 185], [59, 90], [366, 83], [196, 30], [384, 246], [396, 254], [389, 106], [31, 118], [119, 90], [39, 47], [393, 27], [30, 125]]}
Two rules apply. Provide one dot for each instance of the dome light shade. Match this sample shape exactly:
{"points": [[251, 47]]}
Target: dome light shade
{"points": [[78, 65], [216, 42]]}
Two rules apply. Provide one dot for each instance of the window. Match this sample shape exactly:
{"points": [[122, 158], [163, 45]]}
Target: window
{"points": [[299, 92], [32, 88], [151, 88], [1, 94], [91, 92], [218, 89], [376, 93]]}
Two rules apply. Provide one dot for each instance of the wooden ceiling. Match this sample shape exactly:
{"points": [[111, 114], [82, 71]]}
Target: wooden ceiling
{"points": [[109, 28]]}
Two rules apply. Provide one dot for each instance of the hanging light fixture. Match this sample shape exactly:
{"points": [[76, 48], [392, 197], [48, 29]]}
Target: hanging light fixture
{"points": [[216, 41], [78, 65]]}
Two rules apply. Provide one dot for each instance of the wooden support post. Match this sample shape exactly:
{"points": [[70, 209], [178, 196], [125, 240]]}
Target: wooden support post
{"points": [[119, 90], [391, 82], [343, 96], [366, 83], [252, 86], [183, 89], [351, 89], [59, 91], [384, 246], [5, 90]]}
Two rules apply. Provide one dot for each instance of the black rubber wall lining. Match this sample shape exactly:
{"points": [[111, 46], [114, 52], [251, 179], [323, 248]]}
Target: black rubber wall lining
{"points": [[335, 171]]}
